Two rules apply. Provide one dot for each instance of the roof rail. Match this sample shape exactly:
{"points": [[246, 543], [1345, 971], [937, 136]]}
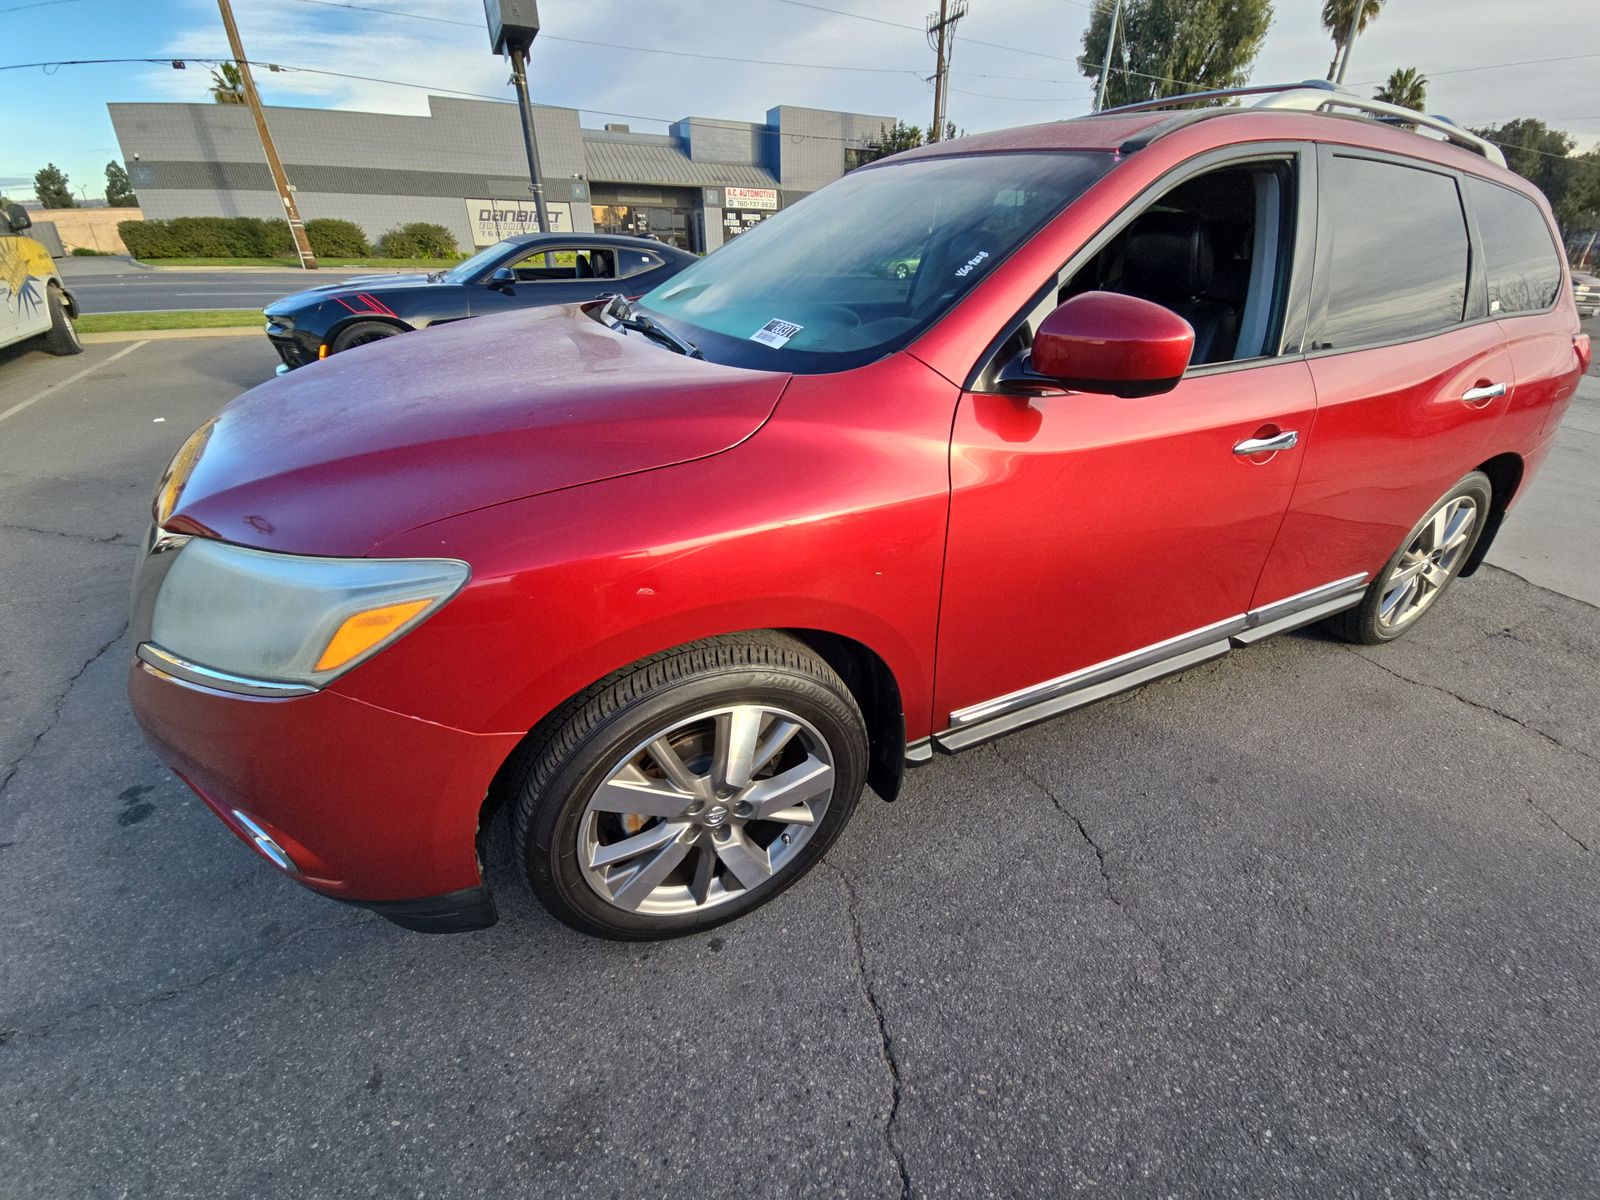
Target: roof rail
{"points": [[1318, 95]]}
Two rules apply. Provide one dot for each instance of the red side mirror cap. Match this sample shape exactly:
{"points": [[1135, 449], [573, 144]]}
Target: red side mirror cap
{"points": [[1113, 344]]}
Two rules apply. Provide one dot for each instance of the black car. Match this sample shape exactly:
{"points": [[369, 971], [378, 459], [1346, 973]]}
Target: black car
{"points": [[521, 272]]}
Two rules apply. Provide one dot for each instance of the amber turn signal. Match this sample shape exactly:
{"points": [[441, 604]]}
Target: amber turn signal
{"points": [[364, 630]]}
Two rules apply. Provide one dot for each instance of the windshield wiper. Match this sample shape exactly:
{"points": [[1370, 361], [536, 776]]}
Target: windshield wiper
{"points": [[620, 312]]}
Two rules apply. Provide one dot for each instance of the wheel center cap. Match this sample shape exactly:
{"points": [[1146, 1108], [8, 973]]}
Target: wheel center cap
{"points": [[715, 815]]}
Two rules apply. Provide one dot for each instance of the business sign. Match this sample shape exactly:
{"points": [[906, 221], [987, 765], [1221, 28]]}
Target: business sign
{"points": [[743, 197], [492, 220]]}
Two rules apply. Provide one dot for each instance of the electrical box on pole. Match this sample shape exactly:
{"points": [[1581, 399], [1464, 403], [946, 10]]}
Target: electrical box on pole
{"points": [[513, 24]]}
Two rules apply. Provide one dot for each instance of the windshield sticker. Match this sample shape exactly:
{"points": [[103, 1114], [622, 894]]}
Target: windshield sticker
{"points": [[776, 333], [965, 268]]}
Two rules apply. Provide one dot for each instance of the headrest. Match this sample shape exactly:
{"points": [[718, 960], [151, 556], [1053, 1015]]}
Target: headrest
{"points": [[1168, 256]]}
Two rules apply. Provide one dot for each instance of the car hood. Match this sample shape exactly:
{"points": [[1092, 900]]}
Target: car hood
{"points": [[361, 283], [340, 455], [1586, 279]]}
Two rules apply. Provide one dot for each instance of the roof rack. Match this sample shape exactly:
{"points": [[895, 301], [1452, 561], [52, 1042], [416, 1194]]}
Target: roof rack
{"points": [[1318, 95]]}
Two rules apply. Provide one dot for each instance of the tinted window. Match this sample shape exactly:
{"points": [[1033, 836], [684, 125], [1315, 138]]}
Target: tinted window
{"points": [[1524, 270], [635, 262], [1399, 263]]}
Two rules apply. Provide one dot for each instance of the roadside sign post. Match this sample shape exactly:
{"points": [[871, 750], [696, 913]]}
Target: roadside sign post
{"points": [[513, 24]]}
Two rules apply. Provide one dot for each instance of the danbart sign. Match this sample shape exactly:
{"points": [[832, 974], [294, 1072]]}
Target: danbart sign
{"points": [[492, 220]]}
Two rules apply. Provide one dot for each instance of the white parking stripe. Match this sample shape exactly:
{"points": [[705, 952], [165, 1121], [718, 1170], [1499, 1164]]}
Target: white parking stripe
{"points": [[40, 395]]}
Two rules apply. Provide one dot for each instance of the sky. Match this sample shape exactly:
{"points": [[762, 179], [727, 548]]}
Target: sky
{"points": [[873, 62]]}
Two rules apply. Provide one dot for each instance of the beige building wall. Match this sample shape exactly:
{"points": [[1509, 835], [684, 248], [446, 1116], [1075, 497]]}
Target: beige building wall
{"points": [[94, 228]]}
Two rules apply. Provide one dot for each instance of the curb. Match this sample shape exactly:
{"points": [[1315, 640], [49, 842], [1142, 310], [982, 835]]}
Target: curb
{"points": [[161, 335]]}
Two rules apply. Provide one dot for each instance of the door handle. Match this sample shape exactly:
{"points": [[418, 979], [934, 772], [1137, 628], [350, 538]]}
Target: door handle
{"points": [[1482, 395], [1287, 440]]}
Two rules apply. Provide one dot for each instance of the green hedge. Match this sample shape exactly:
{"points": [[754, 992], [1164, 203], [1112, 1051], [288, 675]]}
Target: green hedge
{"points": [[332, 238], [251, 237], [207, 237], [420, 239]]}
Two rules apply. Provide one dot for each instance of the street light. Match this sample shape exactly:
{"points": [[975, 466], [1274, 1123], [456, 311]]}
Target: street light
{"points": [[513, 24]]}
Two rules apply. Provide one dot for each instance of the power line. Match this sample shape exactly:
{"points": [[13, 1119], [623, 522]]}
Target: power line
{"points": [[211, 60]]}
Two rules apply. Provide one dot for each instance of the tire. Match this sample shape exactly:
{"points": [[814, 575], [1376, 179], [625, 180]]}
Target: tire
{"points": [[1376, 620], [901, 271], [62, 337], [705, 855], [361, 333]]}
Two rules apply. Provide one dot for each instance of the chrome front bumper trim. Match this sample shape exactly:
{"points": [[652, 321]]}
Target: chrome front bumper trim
{"points": [[182, 671]]}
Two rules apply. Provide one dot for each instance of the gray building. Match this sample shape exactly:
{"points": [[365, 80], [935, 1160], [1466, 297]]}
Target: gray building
{"points": [[463, 166]]}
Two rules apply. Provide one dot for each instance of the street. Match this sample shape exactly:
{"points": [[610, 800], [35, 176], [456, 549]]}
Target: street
{"points": [[1308, 920], [109, 285]]}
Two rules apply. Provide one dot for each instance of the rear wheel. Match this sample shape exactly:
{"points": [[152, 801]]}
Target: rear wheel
{"points": [[1425, 565], [690, 788], [361, 333], [62, 337]]}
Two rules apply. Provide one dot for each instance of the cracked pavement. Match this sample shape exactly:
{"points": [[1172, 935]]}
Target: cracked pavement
{"points": [[1304, 921]]}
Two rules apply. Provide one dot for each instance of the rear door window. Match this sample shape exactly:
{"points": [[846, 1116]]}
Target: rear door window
{"points": [[1399, 257], [1523, 263]]}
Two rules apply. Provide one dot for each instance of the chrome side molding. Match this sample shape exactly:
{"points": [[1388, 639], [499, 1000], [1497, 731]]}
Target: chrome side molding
{"points": [[980, 723]]}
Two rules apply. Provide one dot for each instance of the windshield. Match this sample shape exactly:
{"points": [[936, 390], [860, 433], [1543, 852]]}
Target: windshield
{"points": [[861, 267], [469, 269]]}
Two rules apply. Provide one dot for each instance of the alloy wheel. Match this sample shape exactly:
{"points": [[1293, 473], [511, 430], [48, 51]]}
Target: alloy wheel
{"points": [[705, 811], [1428, 563]]}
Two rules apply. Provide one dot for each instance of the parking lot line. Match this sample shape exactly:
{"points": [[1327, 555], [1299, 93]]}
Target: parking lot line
{"points": [[43, 392]]}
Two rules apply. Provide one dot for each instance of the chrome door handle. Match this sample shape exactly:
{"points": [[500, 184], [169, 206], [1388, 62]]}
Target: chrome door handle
{"points": [[1286, 440], [1482, 395]]}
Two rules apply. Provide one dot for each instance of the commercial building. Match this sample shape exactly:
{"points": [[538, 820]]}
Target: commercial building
{"points": [[463, 166]]}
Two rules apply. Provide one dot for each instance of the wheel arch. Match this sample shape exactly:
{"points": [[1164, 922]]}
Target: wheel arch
{"points": [[1505, 472], [868, 676], [338, 327]]}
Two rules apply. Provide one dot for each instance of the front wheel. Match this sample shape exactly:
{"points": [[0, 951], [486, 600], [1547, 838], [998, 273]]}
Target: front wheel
{"points": [[62, 337], [690, 788], [1427, 562], [361, 333]]}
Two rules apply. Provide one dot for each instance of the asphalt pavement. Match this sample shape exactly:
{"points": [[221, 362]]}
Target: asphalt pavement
{"points": [[1309, 921], [117, 284]]}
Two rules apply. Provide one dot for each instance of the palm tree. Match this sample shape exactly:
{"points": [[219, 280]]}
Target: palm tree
{"points": [[1407, 87], [227, 87], [1336, 16]]}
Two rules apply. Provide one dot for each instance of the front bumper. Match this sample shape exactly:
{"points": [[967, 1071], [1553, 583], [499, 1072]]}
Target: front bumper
{"points": [[295, 347], [367, 805], [1588, 300]]}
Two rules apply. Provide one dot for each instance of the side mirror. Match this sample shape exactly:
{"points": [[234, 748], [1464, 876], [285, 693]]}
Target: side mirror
{"points": [[503, 279], [1114, 345], [17, 218]]}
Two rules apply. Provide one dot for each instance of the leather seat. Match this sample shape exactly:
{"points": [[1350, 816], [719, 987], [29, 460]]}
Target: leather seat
{"points": [[1169, 259]]}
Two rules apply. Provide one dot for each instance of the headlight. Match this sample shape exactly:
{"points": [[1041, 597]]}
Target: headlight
{"points": [[284, 624]]}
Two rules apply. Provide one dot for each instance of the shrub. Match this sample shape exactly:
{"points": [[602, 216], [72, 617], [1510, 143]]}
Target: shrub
{"points": [[332, 238], [419, 239], [86, 252], [207, 237]]}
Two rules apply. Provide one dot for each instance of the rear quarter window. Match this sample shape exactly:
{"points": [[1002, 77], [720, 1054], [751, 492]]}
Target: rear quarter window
{"points": [[1398, 268], [1523, 263]]}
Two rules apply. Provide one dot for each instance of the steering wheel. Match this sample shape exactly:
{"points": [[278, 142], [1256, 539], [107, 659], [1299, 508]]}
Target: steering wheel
{"points": [[839, 312]]}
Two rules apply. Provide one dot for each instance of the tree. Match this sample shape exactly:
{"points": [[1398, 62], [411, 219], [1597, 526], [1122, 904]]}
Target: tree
{"points": [[1336, 16], [1168, 47], [1407, 87], [227, 86], [50, 186], [119, 191]]}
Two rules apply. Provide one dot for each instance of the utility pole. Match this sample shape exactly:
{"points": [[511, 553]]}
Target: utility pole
{"points": [[1350, 38], [297, 229], [941, 39], [1105, 65]]}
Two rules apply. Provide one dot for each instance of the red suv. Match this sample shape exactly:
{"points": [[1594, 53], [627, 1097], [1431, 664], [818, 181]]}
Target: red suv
{"points": [[675, 580]]}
